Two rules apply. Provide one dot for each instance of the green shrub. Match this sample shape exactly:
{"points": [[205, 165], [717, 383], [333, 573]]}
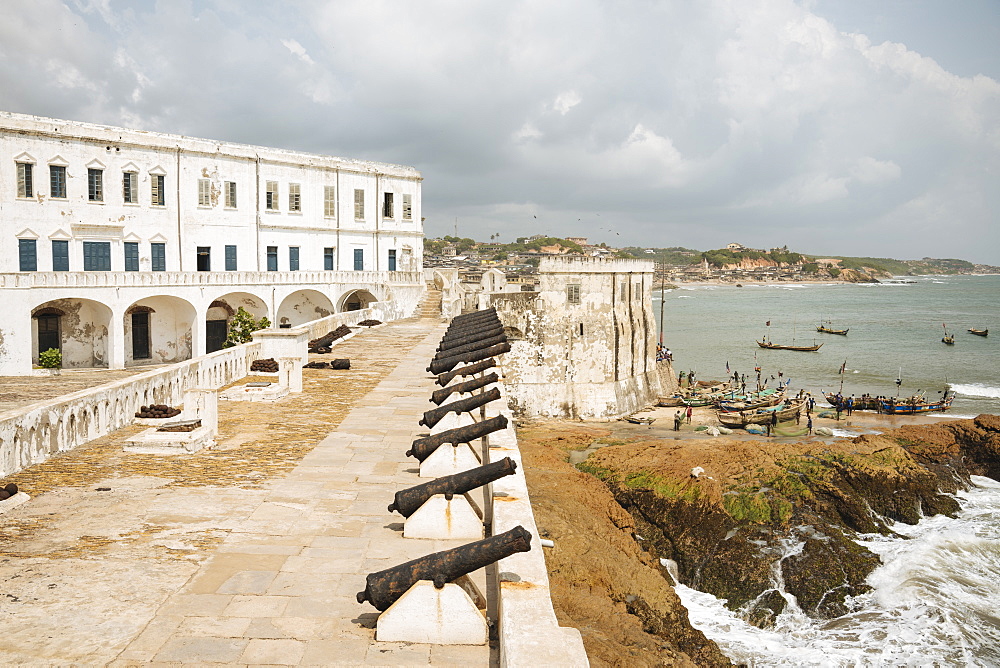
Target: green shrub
{"points": [[242, 327], [50, 359]]}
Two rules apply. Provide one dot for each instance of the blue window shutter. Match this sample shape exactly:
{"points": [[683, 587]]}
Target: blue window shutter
{"points": [[60, 255], [27, 254], [230, 258], [131, 256], [359, 259]]}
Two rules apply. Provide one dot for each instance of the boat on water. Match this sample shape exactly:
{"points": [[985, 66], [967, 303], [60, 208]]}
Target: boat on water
{"points": [[947, 339], [822, 327], [916, 404], [979, 332], [775, 346]]}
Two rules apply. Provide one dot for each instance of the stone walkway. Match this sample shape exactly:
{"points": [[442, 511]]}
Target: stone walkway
{"points": [[248, 554]]}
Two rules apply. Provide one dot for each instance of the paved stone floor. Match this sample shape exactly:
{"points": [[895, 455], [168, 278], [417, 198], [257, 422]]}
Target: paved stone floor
{"points": [[18, 391], [250, 553]]}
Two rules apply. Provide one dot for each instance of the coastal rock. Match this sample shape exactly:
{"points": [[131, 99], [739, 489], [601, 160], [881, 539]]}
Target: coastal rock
{"points": [[767, 515]]}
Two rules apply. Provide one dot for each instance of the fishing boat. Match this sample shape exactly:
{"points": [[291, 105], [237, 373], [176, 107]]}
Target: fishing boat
{"points": [[979, 332], [862, 403], [640, 420], [822, 327], [775, 346], [670, 402], [947, 339], [916, 404], [785, 412], [764, 399]]}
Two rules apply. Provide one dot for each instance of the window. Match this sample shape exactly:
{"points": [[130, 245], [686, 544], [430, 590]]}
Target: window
{"points": [[392, 259], [359, 204], [231, 195], [95, 185], [271, 203], [407, 207], [329, 201], [293, 258], [97, 256], [359, 259], [57, 181], [204, 258], [24, 188], [131, 256], [387, 208], [60, 255], [204, 192], [272, 258], [157, 191], [572, 294], [159, 255], [27, 254], [328, 259], [294, 197], [230, 258], [130, 192]]}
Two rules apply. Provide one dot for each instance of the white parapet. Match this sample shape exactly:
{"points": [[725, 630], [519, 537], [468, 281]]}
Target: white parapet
{"points": [[202, 405], [441, 518], [425, 614]]}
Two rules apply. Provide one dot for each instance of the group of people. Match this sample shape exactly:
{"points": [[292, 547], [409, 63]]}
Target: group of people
{"points": [[681, 416], [663, 353]]}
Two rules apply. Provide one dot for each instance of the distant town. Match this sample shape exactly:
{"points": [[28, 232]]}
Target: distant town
{"points": [[735, 263]]}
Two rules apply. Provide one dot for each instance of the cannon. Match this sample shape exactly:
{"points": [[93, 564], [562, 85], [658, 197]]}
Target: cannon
{"points": [[471, 370], [408, 500], [472, 345], [423, 447], [462, 388], [449, 363], [433, 416], [383, 588], [462, 337], [475, 316]]}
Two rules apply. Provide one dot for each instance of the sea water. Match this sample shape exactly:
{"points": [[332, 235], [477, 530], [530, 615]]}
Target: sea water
{"points": [[935, 601], [895, 332]]}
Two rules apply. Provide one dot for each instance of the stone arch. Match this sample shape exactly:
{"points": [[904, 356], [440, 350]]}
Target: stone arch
{"points": [[303, 306], [163, 336], [356, 300], [81, 330]]}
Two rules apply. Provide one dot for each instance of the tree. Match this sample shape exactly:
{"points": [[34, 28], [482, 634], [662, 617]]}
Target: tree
{"points": [[242, 327]]}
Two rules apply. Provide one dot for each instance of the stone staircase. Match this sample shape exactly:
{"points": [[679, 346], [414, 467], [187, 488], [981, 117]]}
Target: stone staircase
{"points": [[430, 303]]}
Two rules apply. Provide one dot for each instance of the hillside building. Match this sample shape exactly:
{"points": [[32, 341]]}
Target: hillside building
{"points": [[124, 247]]}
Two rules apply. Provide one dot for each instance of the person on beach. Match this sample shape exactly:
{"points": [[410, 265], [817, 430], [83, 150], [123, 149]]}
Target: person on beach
{"points": [[689, 412], [774, 422], [850, 405], [680, 379], [809, 425], [677, 421], [798, 416]]}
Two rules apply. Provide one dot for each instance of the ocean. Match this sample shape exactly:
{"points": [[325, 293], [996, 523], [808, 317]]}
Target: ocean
{"points": [[895, 332], [935, 601]]}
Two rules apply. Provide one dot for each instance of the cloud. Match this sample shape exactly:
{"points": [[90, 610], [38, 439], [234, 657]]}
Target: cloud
{"points": [[679, 123]]}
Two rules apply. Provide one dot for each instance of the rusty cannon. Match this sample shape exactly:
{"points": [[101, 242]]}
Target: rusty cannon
{"points": [[422, 448], [449, 363], [475, 316], [383, 588], [433, 416], [462, 337], [408, 500], [463, 388], [470, 370], [472, 345]]}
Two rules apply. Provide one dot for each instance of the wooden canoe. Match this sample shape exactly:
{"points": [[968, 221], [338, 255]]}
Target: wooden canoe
{"points": [[829, 330], [775, 346], [979, 332]]}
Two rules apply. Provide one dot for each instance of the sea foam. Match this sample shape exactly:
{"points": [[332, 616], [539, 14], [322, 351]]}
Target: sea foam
{"points": [[976, 390]]}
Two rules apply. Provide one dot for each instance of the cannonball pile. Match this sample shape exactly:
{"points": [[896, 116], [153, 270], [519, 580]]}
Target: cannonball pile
{"points": [[7, 491], [157, 411], [369, 323], [266, 365]]}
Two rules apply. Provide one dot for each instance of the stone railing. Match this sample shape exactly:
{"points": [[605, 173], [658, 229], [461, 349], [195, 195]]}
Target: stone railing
{"points": [[32, 434], [530, 634], [118, 279]]}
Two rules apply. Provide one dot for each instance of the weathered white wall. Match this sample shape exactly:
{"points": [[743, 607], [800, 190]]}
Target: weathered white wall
{"points": [[594, 359]]}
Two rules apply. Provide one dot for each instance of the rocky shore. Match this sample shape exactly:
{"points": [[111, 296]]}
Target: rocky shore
{"points": [[638, 497]]}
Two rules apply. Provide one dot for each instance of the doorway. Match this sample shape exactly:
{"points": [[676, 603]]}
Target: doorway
{"points": [[140, 336], [48, 333], [216, 332]]}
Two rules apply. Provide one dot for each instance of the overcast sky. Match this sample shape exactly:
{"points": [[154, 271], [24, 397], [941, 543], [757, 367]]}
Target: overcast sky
{"points": [[850, 127]]}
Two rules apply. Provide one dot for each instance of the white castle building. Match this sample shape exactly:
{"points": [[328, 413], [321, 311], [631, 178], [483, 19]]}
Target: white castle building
{"points": [[123, 247]]}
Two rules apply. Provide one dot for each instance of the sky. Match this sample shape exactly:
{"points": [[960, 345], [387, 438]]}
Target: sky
{"points": [[838, 127]]}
